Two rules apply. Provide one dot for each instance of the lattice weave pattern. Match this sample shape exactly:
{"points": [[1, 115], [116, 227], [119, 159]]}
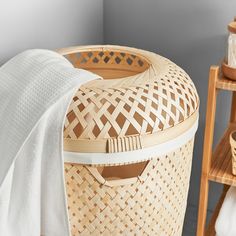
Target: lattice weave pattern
{"points": [[101, 58], [143, 103], [154, 207]]}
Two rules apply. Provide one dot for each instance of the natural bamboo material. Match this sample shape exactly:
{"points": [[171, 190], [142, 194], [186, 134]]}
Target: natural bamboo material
{"points": [[217, 165], [207, 151], [151, 205], [143, 100], [153, 95]]}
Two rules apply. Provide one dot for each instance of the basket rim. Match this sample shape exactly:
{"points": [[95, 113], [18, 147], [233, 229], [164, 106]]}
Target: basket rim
{"points": [[132, 156], [150, 57], [146, 140], [107, 47]]}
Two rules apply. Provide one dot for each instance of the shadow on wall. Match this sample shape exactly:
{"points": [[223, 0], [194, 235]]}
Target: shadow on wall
{"points": [[193, 35]]}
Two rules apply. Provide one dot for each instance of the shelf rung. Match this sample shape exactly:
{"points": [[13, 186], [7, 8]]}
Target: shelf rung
{"points": [[226, 84]]}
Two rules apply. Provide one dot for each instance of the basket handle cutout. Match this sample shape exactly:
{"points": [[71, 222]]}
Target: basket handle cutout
{"points": [[121, 174]]}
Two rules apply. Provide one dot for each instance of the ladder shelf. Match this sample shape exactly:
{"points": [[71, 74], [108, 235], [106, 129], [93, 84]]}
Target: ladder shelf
{"points": [[217, 165]]}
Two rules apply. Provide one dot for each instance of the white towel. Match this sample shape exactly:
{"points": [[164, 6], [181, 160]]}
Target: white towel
{"points": [[226, 220], [36, 88]]}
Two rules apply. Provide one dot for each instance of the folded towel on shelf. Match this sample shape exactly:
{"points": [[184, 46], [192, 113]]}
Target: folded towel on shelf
{"points": [[36, 88], [226, 221]]}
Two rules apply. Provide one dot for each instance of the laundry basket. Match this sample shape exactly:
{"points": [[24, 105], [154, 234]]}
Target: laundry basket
{"points": [[128, 142]]}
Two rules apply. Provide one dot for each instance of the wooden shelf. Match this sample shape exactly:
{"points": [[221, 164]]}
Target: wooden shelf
{"points": [[217, 165], [221, 172], [226, 84], [221, 166]]}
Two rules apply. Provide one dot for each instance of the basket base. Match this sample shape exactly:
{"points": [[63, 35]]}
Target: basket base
{"points": [[228, 71], [155, 206]]}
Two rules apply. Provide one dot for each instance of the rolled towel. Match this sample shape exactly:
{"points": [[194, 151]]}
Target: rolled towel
{"points": [[226, 220]]}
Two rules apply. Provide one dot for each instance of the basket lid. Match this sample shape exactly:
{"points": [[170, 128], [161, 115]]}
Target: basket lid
{"points": [[115, 113]]}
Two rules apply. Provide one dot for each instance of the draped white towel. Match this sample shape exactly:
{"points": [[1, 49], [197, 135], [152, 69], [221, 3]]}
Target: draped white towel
{"points": [[226, 221], [36, 88]]}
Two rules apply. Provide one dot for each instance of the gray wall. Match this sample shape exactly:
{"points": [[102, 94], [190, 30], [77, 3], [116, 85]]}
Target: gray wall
{"points": [[48, 24], [192, 34]]}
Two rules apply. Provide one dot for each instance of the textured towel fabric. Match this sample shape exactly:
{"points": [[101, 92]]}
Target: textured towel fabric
{"points": [[226, 221], [36, 88]]}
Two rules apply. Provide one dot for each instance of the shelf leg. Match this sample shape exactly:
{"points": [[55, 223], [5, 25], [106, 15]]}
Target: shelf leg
{"points": [[207, 150], [233, 108]]}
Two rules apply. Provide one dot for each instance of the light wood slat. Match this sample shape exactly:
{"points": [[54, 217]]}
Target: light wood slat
{"points": [[207, 150], [221, 168], [226, 84], [211, 226]]}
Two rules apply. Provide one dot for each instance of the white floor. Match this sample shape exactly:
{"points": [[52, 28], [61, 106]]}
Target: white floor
{"points": [[190, 224]]}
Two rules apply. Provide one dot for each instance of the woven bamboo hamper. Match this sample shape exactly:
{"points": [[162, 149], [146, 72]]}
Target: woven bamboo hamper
{"points": [[128, 142]]}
